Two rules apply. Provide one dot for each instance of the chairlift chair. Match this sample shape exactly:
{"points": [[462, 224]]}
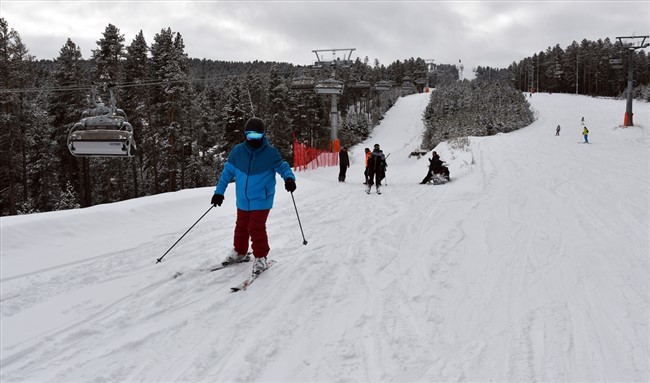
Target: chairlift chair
{"points": [[102, 132], [303, 83], [408, 87], [432, 78], [383, 86], [360, 85], [616, 63], [329, 86], [102, 136]]}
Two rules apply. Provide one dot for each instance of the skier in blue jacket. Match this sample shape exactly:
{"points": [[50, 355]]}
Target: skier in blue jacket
{"points": [[253, 164]]}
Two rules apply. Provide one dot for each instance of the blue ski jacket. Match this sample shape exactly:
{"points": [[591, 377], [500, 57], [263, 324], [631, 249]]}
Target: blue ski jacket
{"points": [[254, 172]]}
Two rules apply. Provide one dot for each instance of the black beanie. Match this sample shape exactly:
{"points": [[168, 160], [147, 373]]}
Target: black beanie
{"points": [[254, 124]]}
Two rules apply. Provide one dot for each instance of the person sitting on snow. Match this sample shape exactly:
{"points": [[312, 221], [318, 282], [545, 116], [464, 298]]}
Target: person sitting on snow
{"points": [[436, 167]]}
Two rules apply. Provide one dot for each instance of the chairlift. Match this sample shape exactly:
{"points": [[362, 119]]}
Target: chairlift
{"points": [[432, 78], [360, 85], [407, 86], [383, 86], [102, 132], [616, 63], [303, 83], [408, 89], [329, 86]]}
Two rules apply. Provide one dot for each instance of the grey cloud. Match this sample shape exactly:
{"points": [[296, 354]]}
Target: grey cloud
{"points": [[480, 33]]}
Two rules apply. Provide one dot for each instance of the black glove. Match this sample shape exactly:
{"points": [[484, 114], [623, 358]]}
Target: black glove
{"points": [[290, 185], [217, 199]]}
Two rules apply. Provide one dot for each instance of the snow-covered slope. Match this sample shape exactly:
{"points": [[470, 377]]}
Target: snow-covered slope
{"points": [[531, 265]]}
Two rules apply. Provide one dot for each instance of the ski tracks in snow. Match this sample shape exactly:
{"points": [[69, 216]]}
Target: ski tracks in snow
{"points": [[474, 280]]}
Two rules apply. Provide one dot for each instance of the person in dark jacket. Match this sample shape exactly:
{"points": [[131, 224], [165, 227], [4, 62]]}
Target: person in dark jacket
{"points": [[344, 163], [253, 164], [376, 169], [436, 166]]}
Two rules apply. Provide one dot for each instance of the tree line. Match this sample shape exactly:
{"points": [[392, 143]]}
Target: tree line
{"points": [[186, 114], [595, 68]]}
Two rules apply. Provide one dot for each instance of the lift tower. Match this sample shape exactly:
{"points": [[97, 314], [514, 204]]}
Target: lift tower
{"points": [[332, 86], [630, 83]]}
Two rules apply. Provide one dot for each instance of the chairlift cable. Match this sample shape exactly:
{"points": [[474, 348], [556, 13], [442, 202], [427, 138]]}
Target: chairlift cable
{"points": [[73, 88]]}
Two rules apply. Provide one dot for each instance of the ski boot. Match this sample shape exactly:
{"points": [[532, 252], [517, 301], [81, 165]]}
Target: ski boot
{"points": [[259, 265], [233, 257]]}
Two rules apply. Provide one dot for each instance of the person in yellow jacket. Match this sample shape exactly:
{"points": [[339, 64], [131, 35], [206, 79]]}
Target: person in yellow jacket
{"points": [[585, 134]]}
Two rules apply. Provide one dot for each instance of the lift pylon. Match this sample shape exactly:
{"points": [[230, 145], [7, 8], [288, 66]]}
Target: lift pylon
{"points": [[331, 86], [628, 121]]}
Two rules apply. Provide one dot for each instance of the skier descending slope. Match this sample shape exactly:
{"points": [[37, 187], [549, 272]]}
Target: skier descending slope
{"points": [[376, 169], [253, 164]]}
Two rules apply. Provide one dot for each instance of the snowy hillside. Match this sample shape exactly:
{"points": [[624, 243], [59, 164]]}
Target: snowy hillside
{"points": [[531, 265]]}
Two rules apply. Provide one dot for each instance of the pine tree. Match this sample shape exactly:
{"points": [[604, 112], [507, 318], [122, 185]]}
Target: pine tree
{"points": [[278, 124], [136, 99], [14, 117], [107, 59], [65, 109], [111, 173], [170, 103], [233, 116], [67, 199]]}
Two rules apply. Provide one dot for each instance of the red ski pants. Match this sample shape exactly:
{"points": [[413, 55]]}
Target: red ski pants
{"points": [[251, 225]]}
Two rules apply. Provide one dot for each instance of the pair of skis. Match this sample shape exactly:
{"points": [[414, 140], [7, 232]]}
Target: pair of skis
{"points": [[243, 285]]}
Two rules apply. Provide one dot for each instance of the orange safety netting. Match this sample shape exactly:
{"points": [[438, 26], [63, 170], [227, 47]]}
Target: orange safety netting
{"points": [[305, 157]]}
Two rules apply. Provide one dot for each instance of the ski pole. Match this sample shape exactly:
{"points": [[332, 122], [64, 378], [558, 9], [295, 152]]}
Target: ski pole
{"points": [[385, 177], [188, 230], [304, 241]]}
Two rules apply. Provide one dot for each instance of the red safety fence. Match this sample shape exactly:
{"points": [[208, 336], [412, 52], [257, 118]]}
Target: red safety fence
{"points": [[305, 157]]}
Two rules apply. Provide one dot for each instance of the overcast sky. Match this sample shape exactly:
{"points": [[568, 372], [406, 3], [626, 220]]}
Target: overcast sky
{"points": [[486, 33]]}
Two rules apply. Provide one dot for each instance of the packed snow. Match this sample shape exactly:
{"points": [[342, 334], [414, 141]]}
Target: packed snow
{"points": [[532, 264]]}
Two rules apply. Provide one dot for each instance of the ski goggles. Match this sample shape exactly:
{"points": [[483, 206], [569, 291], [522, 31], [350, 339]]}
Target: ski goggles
{"points": [[253, 135]]}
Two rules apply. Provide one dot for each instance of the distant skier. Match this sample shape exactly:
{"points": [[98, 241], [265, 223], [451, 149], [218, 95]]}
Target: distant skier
{"points": [[365, 172], [557, 130], [585, 134], [376, 169], [344, 163], [253, 164], [436, 166], [583, 121]]}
